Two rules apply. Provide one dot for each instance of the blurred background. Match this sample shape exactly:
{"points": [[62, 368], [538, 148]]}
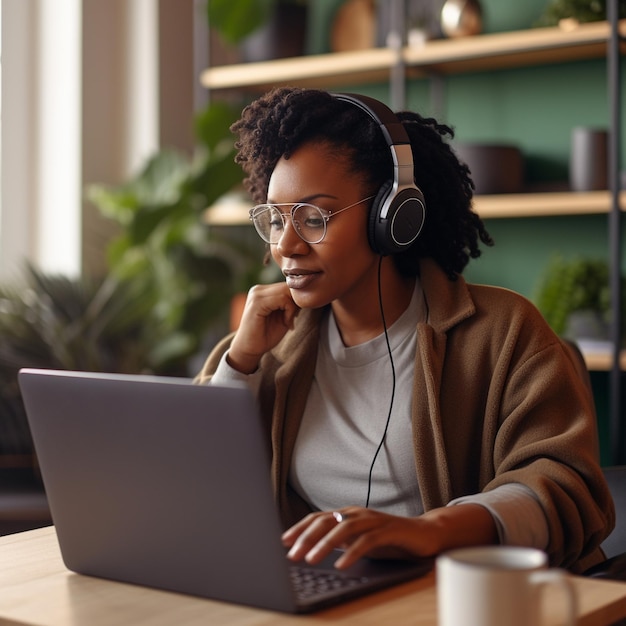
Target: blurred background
{"points": [[124, 238]]}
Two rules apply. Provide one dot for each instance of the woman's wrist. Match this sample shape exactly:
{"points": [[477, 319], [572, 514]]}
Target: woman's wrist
{"points": [[459, 526], [244, 365]]}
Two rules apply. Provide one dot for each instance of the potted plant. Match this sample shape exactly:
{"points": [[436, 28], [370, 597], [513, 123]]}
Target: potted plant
{"points": [[187, 267], [51, 321], [579, 10], [574, 297], [263, 29]]}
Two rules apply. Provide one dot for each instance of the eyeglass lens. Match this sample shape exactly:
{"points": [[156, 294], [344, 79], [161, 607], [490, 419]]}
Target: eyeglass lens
{"points": [[307, 219]]}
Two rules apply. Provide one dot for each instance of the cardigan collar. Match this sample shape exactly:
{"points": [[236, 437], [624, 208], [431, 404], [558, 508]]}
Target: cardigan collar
{"points": [[449, 302]]}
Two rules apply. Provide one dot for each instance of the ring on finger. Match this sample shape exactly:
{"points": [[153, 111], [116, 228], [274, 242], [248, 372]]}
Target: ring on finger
{"points": [[340, 517]]}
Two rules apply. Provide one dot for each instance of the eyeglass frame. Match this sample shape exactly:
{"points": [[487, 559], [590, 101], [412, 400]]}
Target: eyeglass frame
{"points": [[326, 215]]}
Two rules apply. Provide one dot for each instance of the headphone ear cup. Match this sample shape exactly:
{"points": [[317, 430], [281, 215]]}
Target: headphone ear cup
{"points": [[375, 237], [404, 222]]}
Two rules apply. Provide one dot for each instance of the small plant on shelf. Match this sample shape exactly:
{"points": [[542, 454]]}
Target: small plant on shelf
{"points": [[579, 10], [237, 20], [571, 290], [261, 29]]}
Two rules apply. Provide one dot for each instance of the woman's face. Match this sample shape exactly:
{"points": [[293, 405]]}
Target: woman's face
{"points": [[342, 267]]}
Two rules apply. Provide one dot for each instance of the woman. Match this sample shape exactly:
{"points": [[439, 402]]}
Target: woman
{"points": [[408, 412]]}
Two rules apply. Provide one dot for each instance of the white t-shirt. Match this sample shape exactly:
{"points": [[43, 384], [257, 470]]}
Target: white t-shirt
{"points": [[345, 416]]}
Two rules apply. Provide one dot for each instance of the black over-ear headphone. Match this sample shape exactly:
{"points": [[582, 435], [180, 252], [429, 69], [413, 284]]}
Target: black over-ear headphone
{"points": [[398, 211]]}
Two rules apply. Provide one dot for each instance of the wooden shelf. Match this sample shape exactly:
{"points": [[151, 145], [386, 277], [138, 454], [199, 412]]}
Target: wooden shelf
{"points": [[512, 49], [602, 361], [545, 204], [442, 56], [323, 70]]}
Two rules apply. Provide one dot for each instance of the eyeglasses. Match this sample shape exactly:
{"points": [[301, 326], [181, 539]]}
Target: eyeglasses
{"points": [[308, 220]]}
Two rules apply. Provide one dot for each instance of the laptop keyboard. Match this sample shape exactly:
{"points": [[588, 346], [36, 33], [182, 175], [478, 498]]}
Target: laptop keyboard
{"points": [[309, 582]]}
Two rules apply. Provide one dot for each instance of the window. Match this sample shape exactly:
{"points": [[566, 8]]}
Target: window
{"points": [[39, 157]]}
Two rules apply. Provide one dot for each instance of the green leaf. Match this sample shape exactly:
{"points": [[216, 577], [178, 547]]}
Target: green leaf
{"points": [[216, 178], [212, 125], [235, 19]]}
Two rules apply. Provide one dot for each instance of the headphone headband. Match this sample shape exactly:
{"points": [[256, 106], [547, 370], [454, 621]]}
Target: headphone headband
{"points": [[390, 125]]}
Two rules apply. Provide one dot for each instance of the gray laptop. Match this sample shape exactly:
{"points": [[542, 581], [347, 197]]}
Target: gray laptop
{"points": [[163, 483]]}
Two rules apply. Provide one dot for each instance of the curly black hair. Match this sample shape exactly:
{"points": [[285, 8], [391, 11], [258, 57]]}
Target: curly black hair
{"points": [[279, 122]]}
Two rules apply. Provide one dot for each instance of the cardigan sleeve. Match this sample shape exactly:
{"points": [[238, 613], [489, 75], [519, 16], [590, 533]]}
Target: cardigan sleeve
{"points": [[499, 401], [226, 375], [518, 515], [546, 439]]}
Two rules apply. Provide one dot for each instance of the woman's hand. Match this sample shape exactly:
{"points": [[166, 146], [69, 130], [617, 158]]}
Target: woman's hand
{"points": [[268, 314], [364, 532]]}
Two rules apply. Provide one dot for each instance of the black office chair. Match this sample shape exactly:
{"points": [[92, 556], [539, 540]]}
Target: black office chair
{"points": [[614, 546], [23, 502], [614, 568], [615, 543]]}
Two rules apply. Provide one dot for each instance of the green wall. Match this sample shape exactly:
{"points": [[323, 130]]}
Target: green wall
{"points": [[523, 247]]}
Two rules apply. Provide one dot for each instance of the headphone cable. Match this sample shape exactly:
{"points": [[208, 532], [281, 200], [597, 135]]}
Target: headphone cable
{"points": [[393, 379]]}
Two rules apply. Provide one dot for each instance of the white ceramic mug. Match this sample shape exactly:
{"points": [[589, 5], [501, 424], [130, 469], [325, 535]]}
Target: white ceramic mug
{"points": [[498, 586]]}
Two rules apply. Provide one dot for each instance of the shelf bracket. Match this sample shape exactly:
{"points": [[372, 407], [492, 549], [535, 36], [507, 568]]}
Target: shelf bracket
{"points": [[395, 41]]}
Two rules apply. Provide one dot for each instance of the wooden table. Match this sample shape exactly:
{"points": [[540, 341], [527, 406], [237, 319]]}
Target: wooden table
{"points": [[37, 589]]}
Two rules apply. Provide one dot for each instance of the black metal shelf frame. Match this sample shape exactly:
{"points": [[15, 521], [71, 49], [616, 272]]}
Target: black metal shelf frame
{"points": [[617, 419]]}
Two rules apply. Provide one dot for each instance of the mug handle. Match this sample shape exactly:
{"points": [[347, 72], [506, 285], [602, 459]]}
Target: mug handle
{"points": [[561, 579]]}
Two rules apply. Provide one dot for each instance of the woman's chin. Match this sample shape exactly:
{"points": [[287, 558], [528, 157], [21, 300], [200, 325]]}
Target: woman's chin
{"points": [[307, 300]]}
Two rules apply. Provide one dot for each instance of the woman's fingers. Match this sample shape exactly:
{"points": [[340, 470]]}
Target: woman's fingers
{"points": [[268, 314], [307, 533], [359, 532]]}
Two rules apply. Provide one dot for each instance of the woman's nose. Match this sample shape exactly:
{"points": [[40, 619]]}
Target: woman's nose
{"points": [[290, 242]]}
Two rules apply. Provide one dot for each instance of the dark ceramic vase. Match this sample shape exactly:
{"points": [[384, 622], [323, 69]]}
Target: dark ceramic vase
{"points": [[494, 168], [588, 169]]}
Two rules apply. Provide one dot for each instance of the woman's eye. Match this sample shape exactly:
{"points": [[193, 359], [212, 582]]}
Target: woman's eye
{"points": [[275, 221], [309, 217], [314, 222]]}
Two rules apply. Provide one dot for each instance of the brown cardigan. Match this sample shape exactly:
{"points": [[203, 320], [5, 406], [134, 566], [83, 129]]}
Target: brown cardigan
{"points": [[496, 399]]}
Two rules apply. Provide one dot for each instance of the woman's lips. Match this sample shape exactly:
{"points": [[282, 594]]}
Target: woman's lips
{"points": [[299, 279]]}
